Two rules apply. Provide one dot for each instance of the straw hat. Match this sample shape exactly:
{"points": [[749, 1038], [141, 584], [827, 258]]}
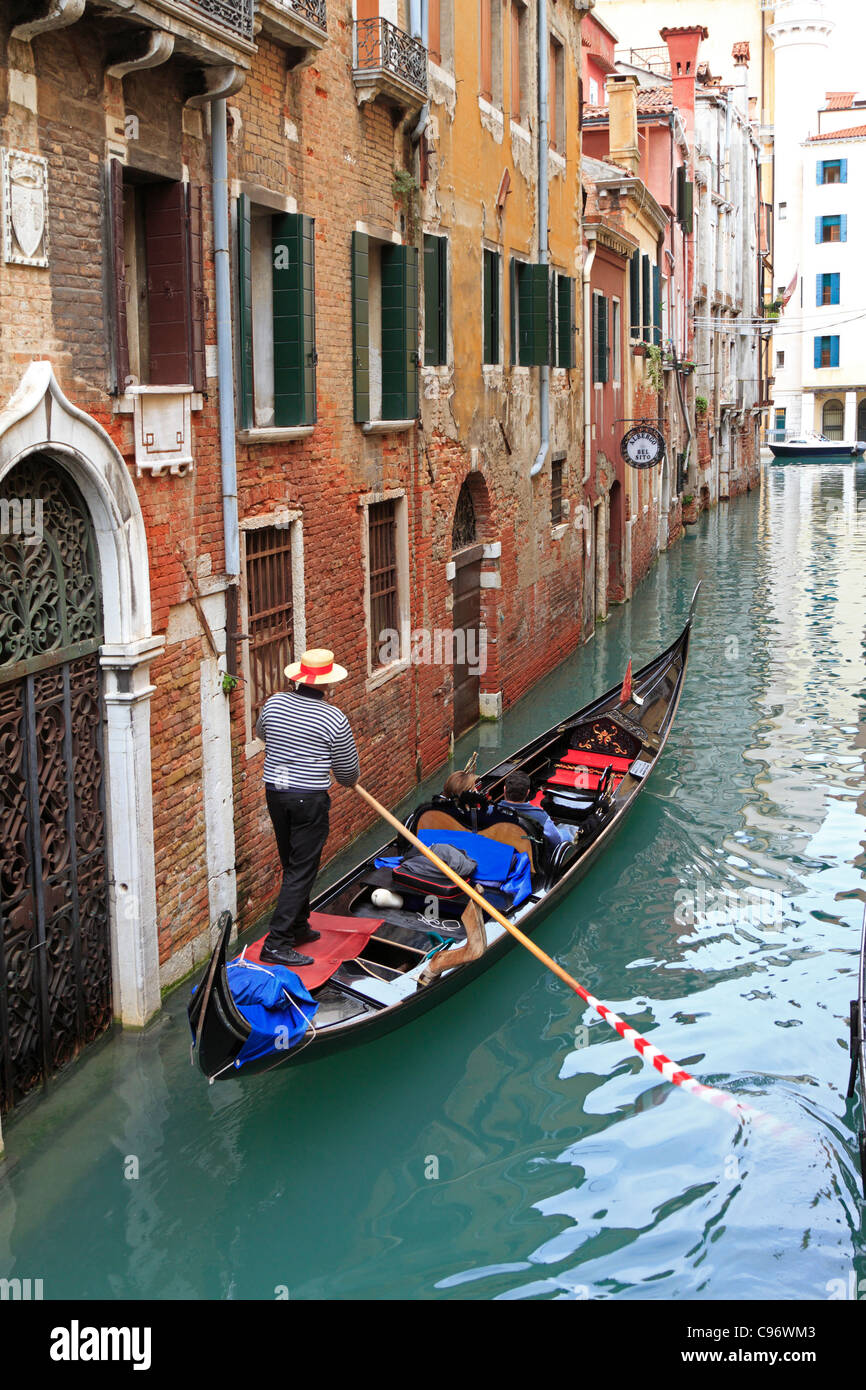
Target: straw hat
{"points": [[316, 667]]}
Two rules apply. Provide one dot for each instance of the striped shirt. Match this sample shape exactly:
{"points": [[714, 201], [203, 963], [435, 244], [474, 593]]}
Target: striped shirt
{"points": [[304, 739]]}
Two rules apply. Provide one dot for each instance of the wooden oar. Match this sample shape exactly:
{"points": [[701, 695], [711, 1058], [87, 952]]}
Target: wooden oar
{"points": [[648, 1051]]}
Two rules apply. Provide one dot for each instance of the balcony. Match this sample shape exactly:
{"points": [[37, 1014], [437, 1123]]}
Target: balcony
{"points": [[301, 26], [389, 64], [214, 36]]}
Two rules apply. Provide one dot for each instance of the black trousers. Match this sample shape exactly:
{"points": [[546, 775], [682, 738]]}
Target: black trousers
{"points": [[300, 821]]}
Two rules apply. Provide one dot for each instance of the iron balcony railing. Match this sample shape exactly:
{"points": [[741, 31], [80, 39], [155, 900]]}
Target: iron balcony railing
{"points": [[313, 10], [380, 46], [236, 15]]}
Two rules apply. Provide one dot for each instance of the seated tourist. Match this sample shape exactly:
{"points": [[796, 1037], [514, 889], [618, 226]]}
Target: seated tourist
{"points": [[458, 784], [517, 790]]}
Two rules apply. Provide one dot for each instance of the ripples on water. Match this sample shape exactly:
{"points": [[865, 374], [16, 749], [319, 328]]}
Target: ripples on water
{"points": [[510, 1145]]}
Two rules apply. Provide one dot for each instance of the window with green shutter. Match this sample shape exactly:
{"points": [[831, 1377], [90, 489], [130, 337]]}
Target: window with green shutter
{"points": [[657, 306], [530, 314], [646, 319], [276, 319], [490, 307], [634, 318], [435, 301], [600, 344], [399, 331], [565, 354], [361, 325]]}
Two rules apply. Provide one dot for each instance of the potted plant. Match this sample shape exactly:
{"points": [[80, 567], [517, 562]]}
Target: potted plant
{"points": [[702, 405]]}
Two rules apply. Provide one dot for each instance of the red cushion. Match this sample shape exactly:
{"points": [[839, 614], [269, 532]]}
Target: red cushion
{"points": [[576, 757], [343, 938]]}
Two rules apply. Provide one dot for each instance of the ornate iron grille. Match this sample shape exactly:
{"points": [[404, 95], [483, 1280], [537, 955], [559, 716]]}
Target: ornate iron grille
{"points": [[269, 600], [236, 15], [381, 45], [463, 531], [55, 977], [313, 10]]}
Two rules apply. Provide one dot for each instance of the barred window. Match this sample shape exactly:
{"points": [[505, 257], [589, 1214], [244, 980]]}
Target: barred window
{"points": [[382, 522], [270, 610], [556, 463]]}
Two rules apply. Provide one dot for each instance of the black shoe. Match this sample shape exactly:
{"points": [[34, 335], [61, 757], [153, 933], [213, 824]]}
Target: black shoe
{"points": [[284, 956], [306, 935]]}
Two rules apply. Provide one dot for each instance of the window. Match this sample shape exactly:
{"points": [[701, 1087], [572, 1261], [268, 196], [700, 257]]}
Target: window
{"points": [[783, 212], [440, 32], [634, 295], [780, 359], [827, 351], [270, 611], [491, 298], [565, 298], [685, 199], [657, 305], [435, 300], [520, 56], [827, 289], [600, 346], [832, 171], [557, 95], [384, 329], [491, 51], [615, 344], [646, 324], [530, 314], [277, 318], [831, 228], [159, 304], [556, 467], [386, 554], [833, 419], [593, 92]]}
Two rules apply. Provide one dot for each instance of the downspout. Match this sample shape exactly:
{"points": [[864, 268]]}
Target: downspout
{"points": [[543, 206], [420, 27], [587, 363], [225, 369]]}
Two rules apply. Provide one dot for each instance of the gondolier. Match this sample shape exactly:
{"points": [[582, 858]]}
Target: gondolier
{"points": [[305, 740]]}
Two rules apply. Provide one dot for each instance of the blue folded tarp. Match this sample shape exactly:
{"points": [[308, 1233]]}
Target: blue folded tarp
{"points": [[274, 1003]]}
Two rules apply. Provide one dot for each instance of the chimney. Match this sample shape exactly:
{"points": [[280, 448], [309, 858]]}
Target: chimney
{"points": [[622, 92], [683, 44]]}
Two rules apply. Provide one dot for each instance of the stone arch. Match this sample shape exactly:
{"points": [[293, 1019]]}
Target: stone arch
{"points": [[38, 419], [833, 418], [473, 493]]}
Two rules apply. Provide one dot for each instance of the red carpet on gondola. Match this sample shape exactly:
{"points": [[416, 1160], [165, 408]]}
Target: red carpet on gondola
{"points": [[342, 939]]}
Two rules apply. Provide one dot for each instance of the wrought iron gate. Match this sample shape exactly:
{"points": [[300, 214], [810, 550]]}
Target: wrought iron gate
{"points": [[55, 968]]}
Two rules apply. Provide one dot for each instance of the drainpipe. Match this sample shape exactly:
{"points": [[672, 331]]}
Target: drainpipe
{"points": [[587, 363], [420, 26], [225, 370], [543, 204]]}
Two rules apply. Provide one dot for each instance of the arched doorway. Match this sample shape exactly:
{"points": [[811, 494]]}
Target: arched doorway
{"points": [[55, 966], [833, 419], [466, 555]]}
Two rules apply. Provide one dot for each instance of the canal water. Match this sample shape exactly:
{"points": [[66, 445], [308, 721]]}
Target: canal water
{"points": [[509, 1145]]}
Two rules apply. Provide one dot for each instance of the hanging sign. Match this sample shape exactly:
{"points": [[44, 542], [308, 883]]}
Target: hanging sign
{"points": [[643, 446]]}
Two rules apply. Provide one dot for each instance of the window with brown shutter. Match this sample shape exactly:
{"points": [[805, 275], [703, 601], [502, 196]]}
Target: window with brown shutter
{"points": [[270, 620], [159, 301], [382, 523]]}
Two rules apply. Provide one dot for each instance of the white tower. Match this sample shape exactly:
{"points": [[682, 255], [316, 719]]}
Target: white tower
{"points": [[800, 34]]}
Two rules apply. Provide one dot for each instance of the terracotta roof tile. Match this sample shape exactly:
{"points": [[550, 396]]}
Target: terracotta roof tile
{"points": [[649, 100], [840, 101], [849, 133]]}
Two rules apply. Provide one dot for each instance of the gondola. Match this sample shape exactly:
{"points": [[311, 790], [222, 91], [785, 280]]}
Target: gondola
{"points": [[857, 1047], [389, 952]]}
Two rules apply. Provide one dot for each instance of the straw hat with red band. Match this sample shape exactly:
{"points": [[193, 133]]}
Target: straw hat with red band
{"points": [[316, 667]]}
